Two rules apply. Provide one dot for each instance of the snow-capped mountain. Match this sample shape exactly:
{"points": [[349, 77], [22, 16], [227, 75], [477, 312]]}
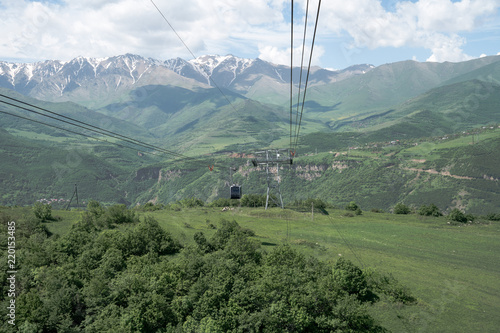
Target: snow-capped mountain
{"points": [[238, 74], [83, 78]]}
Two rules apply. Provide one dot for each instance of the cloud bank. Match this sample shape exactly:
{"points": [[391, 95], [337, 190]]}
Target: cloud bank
{"points": [[430, 24], [65, 29]]}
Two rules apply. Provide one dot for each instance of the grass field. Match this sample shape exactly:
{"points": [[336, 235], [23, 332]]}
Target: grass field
{"points": [[452, 270]]}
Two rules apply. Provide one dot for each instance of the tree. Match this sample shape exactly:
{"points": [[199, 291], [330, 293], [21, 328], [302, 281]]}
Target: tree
{"points": [[401, 208], [202, 242], [350, 278], [95, 208], [149, 236], [42, 211]]}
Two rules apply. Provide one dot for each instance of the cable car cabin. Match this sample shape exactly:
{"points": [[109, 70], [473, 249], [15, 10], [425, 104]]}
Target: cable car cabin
{"points": [[235, 191]]}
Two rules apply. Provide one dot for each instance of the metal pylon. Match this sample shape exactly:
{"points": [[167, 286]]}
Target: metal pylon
{"points": [[270, 158], [75, 193]]}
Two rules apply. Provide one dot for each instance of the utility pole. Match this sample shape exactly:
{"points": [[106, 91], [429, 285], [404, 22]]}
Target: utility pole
{"points": [[270, 158], [75, 194]]}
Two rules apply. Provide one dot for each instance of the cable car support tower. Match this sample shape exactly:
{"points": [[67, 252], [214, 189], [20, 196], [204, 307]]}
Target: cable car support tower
{"points": [[273, 158]]}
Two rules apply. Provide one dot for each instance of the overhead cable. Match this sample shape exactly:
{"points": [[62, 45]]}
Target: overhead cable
{"points": [[86, 126], [308, 72], [192, 54], [291, 72], [302, 66]]}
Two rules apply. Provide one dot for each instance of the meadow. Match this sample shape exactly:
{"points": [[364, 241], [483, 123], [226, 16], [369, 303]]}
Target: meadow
{"points": [[452, 270]]}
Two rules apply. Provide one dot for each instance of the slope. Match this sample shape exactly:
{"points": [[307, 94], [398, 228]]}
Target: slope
{"points": [[33, 169], [383, 87], [67, 109], [446, 109], [207, 120]]}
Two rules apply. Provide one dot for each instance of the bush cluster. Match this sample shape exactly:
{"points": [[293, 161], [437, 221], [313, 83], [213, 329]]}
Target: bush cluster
{"points": [[430, 210], [353, 206], [43, 212], [103, 217], [456, 215], [401, 208], [253, 200], [224, 202], [138, 278]]}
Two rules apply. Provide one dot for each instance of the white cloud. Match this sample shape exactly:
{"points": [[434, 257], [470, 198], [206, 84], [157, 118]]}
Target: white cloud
{"points": [[98, 28], [282, 56], [102, 28], [431, 24]]}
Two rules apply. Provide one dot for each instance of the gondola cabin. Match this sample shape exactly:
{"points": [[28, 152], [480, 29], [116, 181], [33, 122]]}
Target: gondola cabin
{"points": [[235, 191]]}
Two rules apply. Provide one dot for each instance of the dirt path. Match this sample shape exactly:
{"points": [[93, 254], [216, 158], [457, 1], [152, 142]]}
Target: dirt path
{"points": [[435, 172]]}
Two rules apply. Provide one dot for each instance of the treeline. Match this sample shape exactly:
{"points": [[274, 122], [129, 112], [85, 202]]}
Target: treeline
{"points": [[116, 272], [247, 200], [455, 215]]}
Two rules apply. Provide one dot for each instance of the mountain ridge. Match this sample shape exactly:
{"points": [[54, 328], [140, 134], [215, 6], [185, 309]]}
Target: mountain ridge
{"points": [[51, 79]]}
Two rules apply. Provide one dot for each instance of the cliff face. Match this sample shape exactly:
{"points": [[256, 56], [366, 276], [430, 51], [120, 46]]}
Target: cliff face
{"points": [[148, 173]]}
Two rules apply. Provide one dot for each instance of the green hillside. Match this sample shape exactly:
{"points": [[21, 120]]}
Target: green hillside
{"points": [[38, 168], [450, 172], [67, 109], [386, 86], [443, 110], [204, 121], [376, 169]]}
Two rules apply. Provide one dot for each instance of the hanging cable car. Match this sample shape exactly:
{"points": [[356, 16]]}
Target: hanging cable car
{"points": [[234, 190]]}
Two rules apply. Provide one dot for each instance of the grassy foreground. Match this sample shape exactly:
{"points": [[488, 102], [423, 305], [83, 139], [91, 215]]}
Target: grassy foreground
{"points": [[452, 270]]}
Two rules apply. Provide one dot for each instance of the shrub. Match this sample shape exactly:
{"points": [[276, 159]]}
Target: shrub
{"points": [[176, 207], [191, 202], [377, 210], [43, 212], [119, 214], [318, 203], [493, 217], [431, 210], [95, 208], [350, 278], [253, 200], [401, 208], [352, 206], [390, 286], [221, 202], [224, 202], [151, 207], [457, 216]]}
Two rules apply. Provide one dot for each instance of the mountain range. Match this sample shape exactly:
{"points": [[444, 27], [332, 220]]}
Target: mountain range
{"points": [[220, 104], [58, 81]]}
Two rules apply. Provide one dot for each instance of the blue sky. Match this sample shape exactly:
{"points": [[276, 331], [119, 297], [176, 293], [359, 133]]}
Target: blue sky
{"points": [[349, 31]]}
